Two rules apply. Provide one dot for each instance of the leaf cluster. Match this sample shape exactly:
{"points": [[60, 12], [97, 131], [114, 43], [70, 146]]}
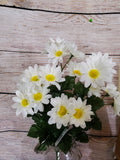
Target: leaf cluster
{"points": [[48, 134]]}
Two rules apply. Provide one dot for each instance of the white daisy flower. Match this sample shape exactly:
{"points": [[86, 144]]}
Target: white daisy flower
{"points": [[97, 70], [74, 51], [59, 113], [117, 105], [94, 91], [57, 49], [111, 89], [22, 104], [32, 75], [52, 75], [39, 96], [80, 112], [74, 69]]}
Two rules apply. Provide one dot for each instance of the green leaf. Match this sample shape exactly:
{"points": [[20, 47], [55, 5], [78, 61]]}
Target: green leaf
{"points": [[54, 91], [43, 134], [37, 119], [95, 123], [68, 84], [68, 94], [95, 102], [54, 132], [80, 90], [79, 135], [75, 131], [65, 144], [82, 137], [46, 142], [34, 131], [42, 147]]}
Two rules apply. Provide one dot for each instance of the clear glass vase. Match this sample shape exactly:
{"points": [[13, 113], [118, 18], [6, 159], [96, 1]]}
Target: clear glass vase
{"points": [[53, 153], [73, 154]]}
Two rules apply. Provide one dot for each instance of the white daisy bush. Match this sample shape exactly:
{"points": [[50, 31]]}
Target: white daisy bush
{"points": [[63, 96]]}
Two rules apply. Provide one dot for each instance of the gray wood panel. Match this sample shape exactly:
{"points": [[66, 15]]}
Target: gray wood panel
{"points": [[80, 6]]}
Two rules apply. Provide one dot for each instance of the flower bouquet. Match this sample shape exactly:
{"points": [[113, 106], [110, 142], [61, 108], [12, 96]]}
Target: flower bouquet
{"points": [[63, 96]]}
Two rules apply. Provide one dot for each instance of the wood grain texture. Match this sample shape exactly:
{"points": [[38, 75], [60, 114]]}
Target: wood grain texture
{"points": [[117, 148], [13, 64], [9, 121], [97, 148], [8, 118], [81, 6], [24, 30]]}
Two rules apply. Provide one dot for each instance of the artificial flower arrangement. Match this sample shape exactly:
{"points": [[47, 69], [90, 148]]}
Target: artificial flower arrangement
{"points": [[62, 97]]}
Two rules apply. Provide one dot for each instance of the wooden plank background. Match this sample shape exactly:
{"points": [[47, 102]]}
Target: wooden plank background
{"points": [[25, 27]]}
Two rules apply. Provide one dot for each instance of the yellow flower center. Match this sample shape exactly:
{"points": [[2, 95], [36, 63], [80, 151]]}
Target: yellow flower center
{"points": [[37, 96], [24, 102], [62, 111], [34, 78], [50, 77], [106, 90], [78, 114], [77, 72], [58, 53], [94, 73]]}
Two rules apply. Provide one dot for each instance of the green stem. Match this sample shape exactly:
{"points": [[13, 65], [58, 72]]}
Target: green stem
{"points": [[57, 153], [61, 65], [67, 62], [62, 135], [106, 95]]}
